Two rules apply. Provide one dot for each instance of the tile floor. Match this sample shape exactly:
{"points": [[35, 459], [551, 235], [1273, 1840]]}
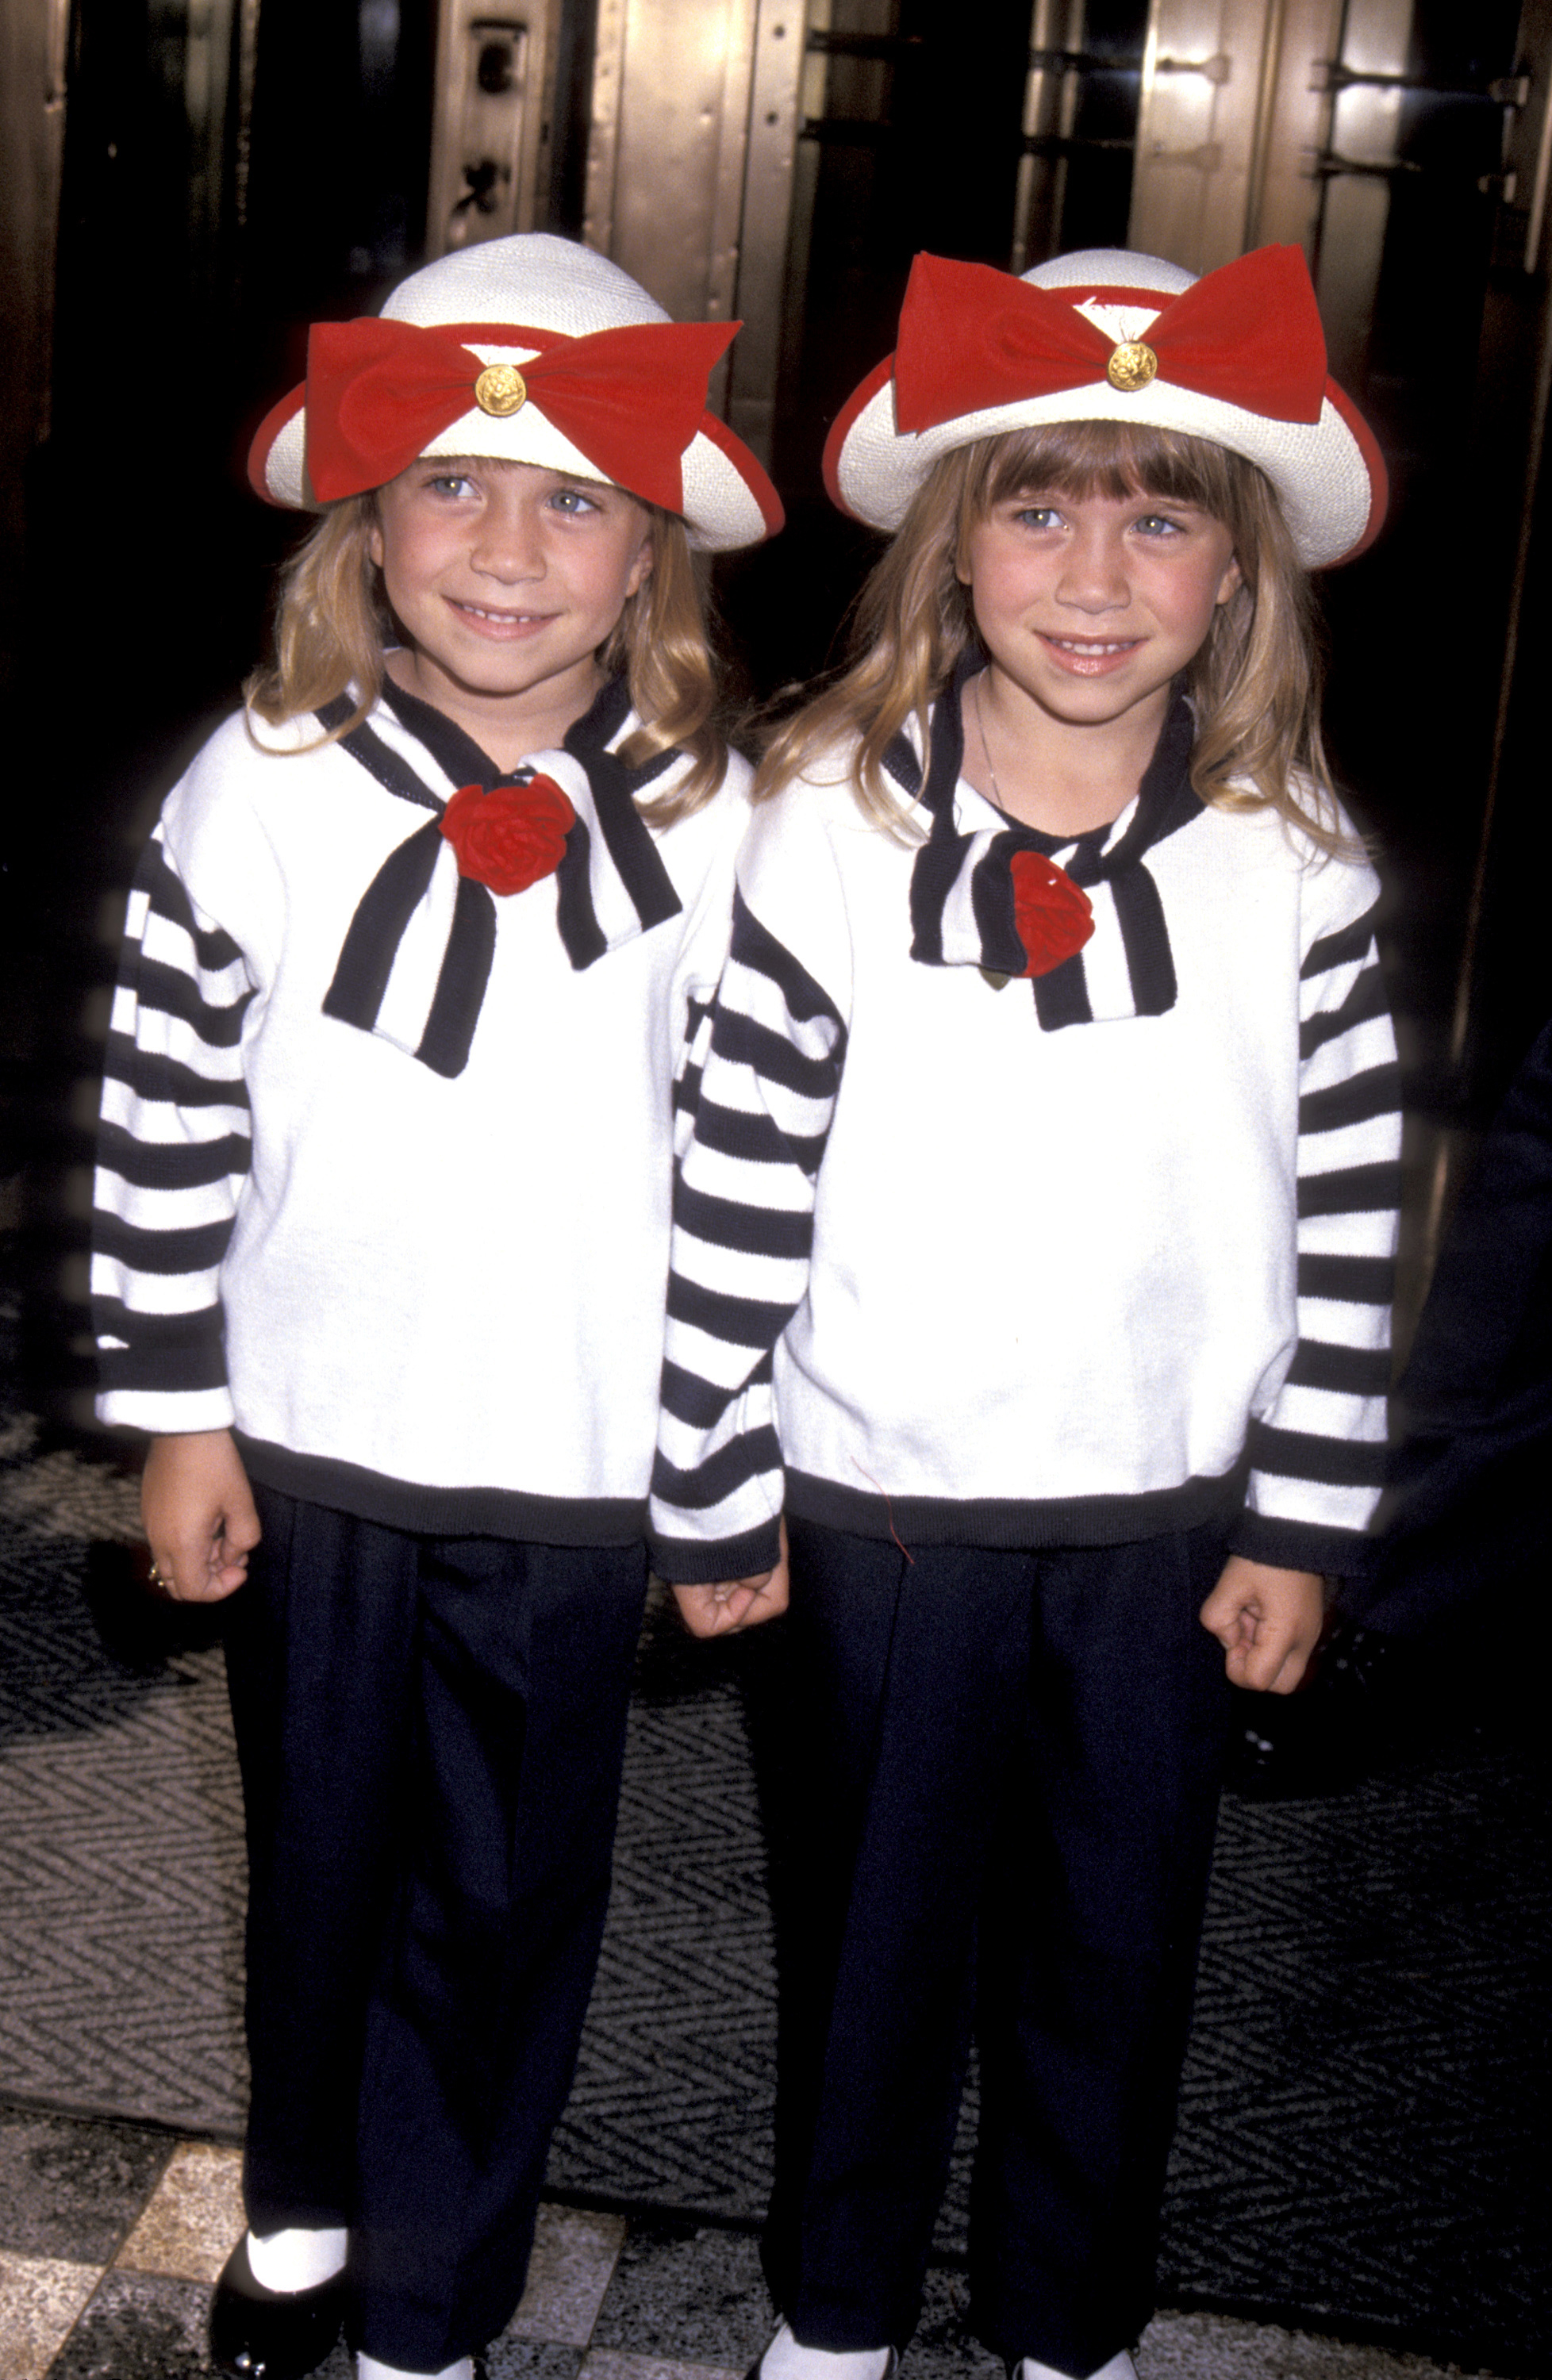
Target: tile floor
{"points": [[111, 2236]]}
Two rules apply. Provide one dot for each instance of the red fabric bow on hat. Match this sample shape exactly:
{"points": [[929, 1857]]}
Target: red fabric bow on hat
{"points": [[631, 400], [971, 338]]}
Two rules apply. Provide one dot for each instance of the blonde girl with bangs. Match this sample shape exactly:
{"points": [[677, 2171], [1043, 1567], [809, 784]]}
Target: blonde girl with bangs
{"points": [[1032, 1260], [382, 1241]]}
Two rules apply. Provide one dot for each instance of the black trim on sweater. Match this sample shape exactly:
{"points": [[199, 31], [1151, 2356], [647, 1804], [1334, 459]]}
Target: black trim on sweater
{"points": [[1358, 1099], [637, 861], [443, 1512], [1300, 1545], [214, 948], [1365, 1001], [445, 1043], [198, 1247], [614, 788], [1342, 949], [689, 1563], [155, 1079], [160, 1353], [1062, 996], [1014, 1522], [1351, 1190], [1349, 1371], [371, 942], [379, 760], [172, 1164], [1166, 802]]}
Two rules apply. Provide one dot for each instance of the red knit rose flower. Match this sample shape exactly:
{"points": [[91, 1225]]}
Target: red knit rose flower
{"points": [[511, 836], [1054, 917]]}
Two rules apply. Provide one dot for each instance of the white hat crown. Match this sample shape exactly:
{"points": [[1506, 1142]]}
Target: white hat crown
{"points": [[534, 278], [536, 281]]}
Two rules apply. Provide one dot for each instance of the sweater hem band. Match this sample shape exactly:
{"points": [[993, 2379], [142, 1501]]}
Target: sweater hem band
{"points": [[1016, 1522], [427, 1512]]}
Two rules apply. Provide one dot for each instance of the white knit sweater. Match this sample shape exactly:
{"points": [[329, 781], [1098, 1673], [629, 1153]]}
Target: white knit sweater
{"points": [[949, 1264], [434, 1299]]}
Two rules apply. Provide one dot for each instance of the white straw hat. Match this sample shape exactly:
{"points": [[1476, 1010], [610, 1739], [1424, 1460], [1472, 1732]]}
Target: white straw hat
{"points": [[529, 349], [1104, 334]]}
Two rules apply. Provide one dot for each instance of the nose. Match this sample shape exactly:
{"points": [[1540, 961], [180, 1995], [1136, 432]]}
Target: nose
{"points": [[1094, 569], [507, 545]]}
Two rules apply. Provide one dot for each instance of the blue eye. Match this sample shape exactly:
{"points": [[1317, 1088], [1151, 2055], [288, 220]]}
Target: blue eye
{"points": [[1159, 524], [1039, 517], [572, 502]]}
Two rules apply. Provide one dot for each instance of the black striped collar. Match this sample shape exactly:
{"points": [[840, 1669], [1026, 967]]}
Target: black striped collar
{"points": [[1165, 800], [417, 957], [467, 764], [961, 905]]}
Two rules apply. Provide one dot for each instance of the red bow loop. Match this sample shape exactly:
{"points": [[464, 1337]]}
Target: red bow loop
{"points": [[972, 339], [1249, 333], [377, 394], [631, 400]]}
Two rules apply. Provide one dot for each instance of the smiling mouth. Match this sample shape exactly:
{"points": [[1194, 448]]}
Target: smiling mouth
{"points": [[498, 619], [1088, 648]]}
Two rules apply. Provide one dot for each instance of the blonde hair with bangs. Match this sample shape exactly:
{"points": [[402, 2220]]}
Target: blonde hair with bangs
{"points": [[1255, 683], [333, 625]]}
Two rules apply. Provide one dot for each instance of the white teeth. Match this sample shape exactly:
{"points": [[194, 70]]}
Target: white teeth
{"points": [[1088, 651]]}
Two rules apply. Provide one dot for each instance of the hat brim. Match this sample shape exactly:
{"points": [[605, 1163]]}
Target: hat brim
{"points": [[1329, 474], [729, 499]]}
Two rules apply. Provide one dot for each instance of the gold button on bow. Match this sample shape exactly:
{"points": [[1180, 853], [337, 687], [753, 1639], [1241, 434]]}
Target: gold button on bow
{"points": [[1131, 367], [500, 389]]}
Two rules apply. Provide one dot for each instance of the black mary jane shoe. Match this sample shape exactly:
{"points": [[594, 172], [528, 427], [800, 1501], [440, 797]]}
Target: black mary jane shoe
{"points": [[260, 2334]]}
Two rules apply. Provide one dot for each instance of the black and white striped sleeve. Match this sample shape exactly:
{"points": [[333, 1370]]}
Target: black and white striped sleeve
{"points": [[742, 1227], [1317, 1459], [172, 1155]]}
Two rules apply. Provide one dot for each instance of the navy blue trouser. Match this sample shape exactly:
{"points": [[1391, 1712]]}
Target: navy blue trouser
{"points": [[1008, 1769], [431, 1733]]}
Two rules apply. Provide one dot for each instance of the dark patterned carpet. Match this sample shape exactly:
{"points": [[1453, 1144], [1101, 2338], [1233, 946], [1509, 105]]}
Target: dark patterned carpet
{"points": [[1363, 2135]]}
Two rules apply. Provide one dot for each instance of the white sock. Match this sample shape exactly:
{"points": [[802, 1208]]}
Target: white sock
{"points": [[1120, 2367], [369, 2368], [784, 2360], [288, 2260]]}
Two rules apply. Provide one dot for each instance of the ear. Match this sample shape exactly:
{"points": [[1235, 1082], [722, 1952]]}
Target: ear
{"points": [[1231, 582], [374, 540], [641, 568]]}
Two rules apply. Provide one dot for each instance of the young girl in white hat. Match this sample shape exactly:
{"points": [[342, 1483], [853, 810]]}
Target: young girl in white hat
{"points": [[383, 1237], [1033, 1254]]}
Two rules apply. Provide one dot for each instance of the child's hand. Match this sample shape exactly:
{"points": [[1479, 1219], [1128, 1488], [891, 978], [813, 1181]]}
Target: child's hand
{"points": [[735, 1602], [198, 1515], [1266, 1620]]}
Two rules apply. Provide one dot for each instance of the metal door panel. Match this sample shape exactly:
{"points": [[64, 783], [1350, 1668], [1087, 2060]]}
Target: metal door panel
{"points": [[494, 70], [1196, 130], [665, 183]]}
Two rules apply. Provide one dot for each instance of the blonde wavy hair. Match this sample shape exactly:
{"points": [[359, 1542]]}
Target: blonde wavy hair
{"points": [[332, 625], [1255, 683]]}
